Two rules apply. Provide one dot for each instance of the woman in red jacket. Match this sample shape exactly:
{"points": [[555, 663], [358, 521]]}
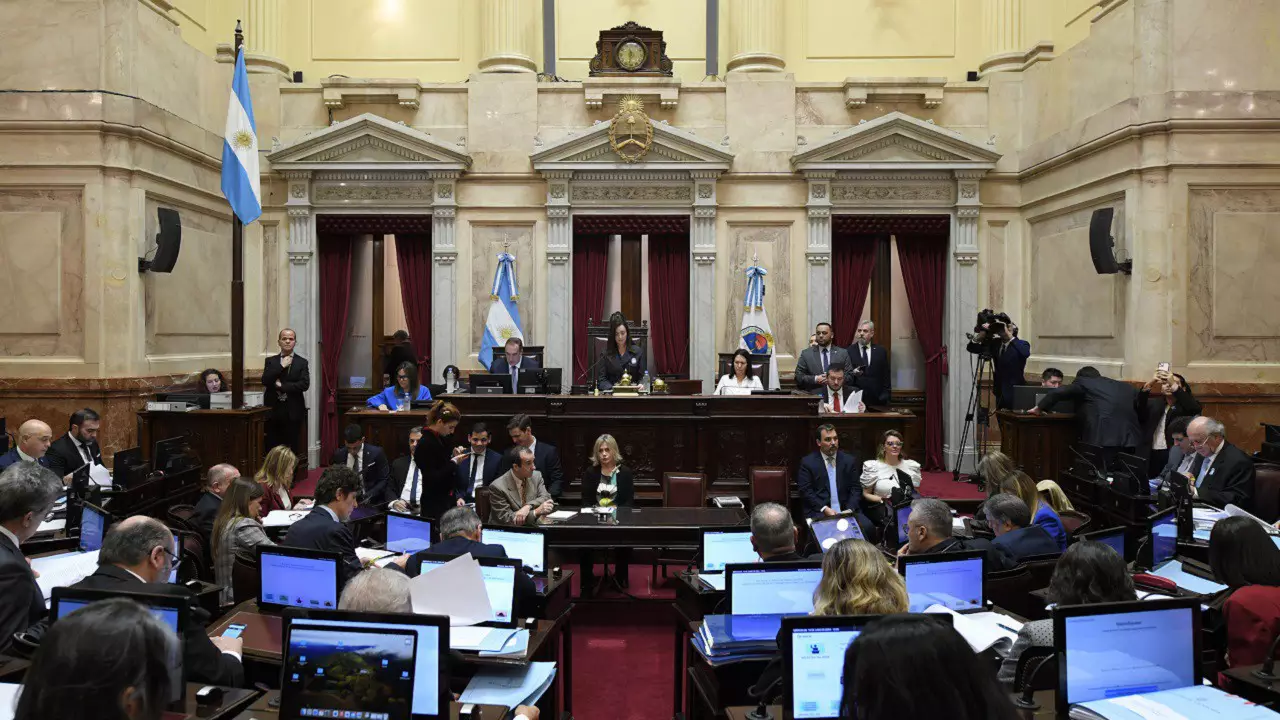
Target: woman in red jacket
{"points": [[1244, 558]]}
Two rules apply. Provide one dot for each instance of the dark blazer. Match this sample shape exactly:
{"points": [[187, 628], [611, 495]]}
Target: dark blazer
{"points": [[1009, 366], [63, 456], [12, 458], [809, 366], [398, 354], [500, 366], [591, 479], [1151, 406], [439, 475], [546, 460], [376, 472], [815, 490], [466, 470], [206, 512], [1230, 480], [202, 660], [526, 591], [21, 602], [995, 560], [1025, 542], [876, 387], [1106, 410], [294, 382], [317, 530], [611, 366]]}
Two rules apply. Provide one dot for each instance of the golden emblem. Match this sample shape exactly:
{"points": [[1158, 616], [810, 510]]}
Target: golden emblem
{"points": [[631, 131], [242, 140]]}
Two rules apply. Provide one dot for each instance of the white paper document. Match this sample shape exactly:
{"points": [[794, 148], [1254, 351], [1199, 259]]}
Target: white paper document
{"points": [[100, 475], [455, 589], [981, 630], [63, 570], [562, 514], [282, 518], [9, 699], [379, 558], [510, 687], [485, 640], [53, 525]]}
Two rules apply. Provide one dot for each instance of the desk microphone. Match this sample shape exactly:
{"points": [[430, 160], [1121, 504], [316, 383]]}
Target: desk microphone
{"points": [[762, 709], [1267, 671], [1098, 476]]}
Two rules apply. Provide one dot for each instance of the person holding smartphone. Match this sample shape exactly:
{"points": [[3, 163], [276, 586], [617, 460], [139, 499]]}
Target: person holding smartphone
{"points": [[1164, 398]]}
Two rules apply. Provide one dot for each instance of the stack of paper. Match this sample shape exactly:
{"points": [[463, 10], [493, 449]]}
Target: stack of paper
{"points": [[729, 638], [490, 641], [1188, 703], [455, 589], [982, 630], [379, 558], [63, 570], [282, 518], [562, 514], [510, 687]]}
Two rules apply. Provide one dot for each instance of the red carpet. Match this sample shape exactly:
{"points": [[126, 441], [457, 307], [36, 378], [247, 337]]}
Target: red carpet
{"points": [[940, 485]]}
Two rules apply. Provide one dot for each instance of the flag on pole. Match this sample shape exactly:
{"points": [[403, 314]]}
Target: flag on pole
{"points": [[757, 335], [240, 181], [503, 322]]}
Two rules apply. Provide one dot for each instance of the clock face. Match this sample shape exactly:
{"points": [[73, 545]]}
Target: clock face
{"points": [[630, 55]]}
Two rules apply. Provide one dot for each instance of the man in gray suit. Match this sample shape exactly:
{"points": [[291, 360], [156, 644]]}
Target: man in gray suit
{"points": [[815, 360], [519, 496]]}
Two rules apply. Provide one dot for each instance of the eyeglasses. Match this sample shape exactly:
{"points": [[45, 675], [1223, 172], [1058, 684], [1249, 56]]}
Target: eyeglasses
{"points": [[403, 377]]}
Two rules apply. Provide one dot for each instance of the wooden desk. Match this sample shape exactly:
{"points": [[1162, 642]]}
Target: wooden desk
{"points": [[647, 527], [1038, 443], [1106, 506], [217, 436], [262, 710], [233, 702]]}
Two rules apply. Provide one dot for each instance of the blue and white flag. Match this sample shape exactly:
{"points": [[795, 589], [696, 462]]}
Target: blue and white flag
{"points": [[240, 181], [757, 335], [503, 322]]}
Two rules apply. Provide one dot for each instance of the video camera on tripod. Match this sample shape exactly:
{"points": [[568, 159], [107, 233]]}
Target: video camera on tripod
{"points": [[989, 329]]}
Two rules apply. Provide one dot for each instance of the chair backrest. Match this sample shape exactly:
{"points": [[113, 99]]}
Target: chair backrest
{"points": [[180, 515], [759, 367], [1009, 588], [684, 490], [482, 504], [1074, 522], [770, 484], [1266, 492], [193, 556], [246, 581], [1023, 603]]}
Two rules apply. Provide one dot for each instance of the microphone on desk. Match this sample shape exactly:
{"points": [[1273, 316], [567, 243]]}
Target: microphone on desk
{"points": [[1098, 476], [1267, 671], [762, 709]]}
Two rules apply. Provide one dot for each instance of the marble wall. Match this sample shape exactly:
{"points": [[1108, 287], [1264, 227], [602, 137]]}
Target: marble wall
{"points": [[42, 288], [188, 311], [487, 242]]}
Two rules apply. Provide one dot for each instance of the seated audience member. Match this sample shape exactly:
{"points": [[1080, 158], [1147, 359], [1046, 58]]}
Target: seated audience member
{"points": [[512, 361], [1016, 536], [367, 460], [107, 661], [1042, 513], [1156, 412], [994, 467], [519, 496], [27, 494], [325, 527], [1051, 378], [400, 352], [377, 590], [545, 456], [858, 580], [954, 685], [741, 378], [276, 479], [403, 393], [1222, 474], [480, 467], [460, 533], [216, 482], [828, 481], [1182, 454], [607, 483], [211, 381], [34, 439], [1086, 574], [1244, 559], [929, 530], [889, 471], [238, 529], [78, 446], [836, 398], [1051, 494], [137, 555], [773, 534], [406, 477]]}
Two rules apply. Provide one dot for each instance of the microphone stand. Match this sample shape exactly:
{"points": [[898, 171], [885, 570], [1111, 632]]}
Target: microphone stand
{"points": [[1267, 671], [1099, 477], [761, 712]]}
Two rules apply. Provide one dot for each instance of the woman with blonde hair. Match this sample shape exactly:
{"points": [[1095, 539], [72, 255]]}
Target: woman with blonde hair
{"points": [[889, 471], [857, 580], [1042, 514], [237, 530], [1052, 493], [994, 467], [276, 478], [606, 483]]}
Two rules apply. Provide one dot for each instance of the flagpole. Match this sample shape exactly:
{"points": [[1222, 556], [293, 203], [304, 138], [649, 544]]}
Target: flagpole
{"points": [[237, 288]]}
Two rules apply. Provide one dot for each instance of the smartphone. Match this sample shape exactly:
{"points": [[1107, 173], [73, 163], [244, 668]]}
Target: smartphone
{"points": [[1163, 367], [233, 630]]}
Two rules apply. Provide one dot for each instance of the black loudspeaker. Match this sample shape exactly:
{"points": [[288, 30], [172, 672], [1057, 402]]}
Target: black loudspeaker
{"points": [[1101, 244], [168, 243], [297, 76], [972, 76]]}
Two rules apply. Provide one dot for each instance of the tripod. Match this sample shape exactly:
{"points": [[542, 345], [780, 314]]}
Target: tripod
{"points": [[975, 415]]}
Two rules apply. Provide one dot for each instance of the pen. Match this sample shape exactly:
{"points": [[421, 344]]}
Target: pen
{"points": [[1006, 627]]}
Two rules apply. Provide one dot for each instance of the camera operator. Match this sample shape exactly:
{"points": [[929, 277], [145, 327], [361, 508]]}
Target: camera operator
{"points": [[997, 336]]}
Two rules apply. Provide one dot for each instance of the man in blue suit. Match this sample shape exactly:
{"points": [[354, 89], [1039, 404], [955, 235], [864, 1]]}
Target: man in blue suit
{"points": [[368, 460], [479, 468], [513, 361], [1009, 356], [828, 481], [460, 533], [325, 527], [1016, 536], [34, 439]]}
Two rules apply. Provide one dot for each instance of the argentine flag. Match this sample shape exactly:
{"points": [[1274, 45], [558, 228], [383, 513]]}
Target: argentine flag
{"points": [[757, 335], [240, 181], [503, 322]]}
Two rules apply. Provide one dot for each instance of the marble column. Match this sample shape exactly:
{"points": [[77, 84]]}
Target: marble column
{"points": [[818, 248], [304, 297], [506, 39], [756, 29], [262, 27], [1003, 42], [702, 282], [559, 253], [962, 305], [444, 272]]}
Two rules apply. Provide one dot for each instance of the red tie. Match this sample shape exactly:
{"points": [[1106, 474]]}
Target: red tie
{"points": [[835, 405]]}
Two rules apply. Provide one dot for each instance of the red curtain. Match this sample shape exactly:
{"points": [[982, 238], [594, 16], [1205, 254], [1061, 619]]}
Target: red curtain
{"points": [[413, 259], [669, 303], [590, 263], [924, 273], [853, 258], [335, 300]]}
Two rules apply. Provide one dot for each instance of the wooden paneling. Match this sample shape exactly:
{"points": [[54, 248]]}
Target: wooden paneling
{"points": [[217, 436]]}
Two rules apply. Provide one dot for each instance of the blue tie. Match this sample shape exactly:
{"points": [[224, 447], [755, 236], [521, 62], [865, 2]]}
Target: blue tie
{"points": [[835, 489], [1204, 470], [826, 361], [515, 376], [413, 487]]}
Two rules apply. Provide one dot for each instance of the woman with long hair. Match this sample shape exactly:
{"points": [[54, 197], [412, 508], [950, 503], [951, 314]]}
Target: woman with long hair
{"points": [[891, 470], [276, 478], [438, 460], [237, 530], [741, 379], [1244, 558], [1052, 493], [857, 580], [620, 356], [403, 392], [1042, 513]]}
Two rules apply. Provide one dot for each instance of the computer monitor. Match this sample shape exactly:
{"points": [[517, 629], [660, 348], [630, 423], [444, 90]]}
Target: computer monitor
{"points": [[166, 452], [724, 547], [1163, 536], [430, 673], [295, 577], [1026, 397], [953, 580], [1111, 537], [1111, 650], [543, 380], [499, 582], [128, 468], [94, 522], [528, 545], [777, 588], [407, 533], [832, 530], [487, 384], [1090, 459], [333, 670], [1129, 474]]}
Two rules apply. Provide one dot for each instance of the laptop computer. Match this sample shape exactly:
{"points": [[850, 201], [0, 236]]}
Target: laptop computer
{"points": [[1162, 541], [1111, 537], [954, 580], [488, 384], [69, 568], [528, 545], [297, 577], [830, 531], [1112, 650], [1026, 397], [720, 548], [775, 588], [334, 670], [407, 533], [430, 678], [499, 582], [544, 381]]}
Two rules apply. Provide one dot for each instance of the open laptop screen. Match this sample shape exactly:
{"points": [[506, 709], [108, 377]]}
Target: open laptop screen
{"points": [[722, 547], [342, 672], [407, 534], [298, 578], [1164, 536], [952, 580], [772, 588], [817, 670], [529, 547], [833, 530], [499, 583], [93, 525], [1113, 538]]}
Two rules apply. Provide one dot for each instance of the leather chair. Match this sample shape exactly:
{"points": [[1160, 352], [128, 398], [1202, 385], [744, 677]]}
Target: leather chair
{"points": [[770, 484], [687, 490], [1074, 522], [1011, 588], [180, 518], [482, 504], [194, 560], [246, 581], [1266, 492], [1029, 606]]}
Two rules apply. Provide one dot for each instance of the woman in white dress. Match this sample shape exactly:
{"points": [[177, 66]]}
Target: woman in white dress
{"points": [[742, 380], [891, 469]]}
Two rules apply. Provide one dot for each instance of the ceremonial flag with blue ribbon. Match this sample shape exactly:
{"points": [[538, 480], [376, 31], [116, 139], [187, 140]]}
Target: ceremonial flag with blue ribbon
{"points": [[503, 322], [757, 334], [240, 181]]}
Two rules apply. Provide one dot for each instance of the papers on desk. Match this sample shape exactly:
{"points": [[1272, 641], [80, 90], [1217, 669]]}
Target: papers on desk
{"points": [[1173, 570], [282, 518], [377, 558], [1233, 511], [100, 475], [1198, 702], [490, 642], [9, 699], [510, 687], [715, 581], [562, 514], [455, 589], [982, 630], [53, 525], [63, 569]]}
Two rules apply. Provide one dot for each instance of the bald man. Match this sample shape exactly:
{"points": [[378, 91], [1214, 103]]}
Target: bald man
{"points": [[34, 438], [217, 480]]}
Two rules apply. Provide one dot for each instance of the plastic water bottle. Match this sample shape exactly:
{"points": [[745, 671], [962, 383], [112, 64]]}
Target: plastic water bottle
{"points": [[644, 382]]}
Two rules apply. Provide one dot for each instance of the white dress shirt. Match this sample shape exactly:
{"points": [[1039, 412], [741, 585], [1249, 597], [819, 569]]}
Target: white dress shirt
{"points": [[881, 478], [477, 471], [408, 492], [12, 538], [286, 502], [730, 385], [354, 459], [331, 512], [1157, 440], [23, 456], [83, 448]]}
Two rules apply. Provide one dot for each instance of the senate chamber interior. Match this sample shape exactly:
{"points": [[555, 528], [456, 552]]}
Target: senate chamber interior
{"points": [[639, 359]]}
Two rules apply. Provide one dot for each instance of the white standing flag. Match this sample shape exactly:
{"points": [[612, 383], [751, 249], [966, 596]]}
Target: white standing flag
{"points": [[757, 335]]}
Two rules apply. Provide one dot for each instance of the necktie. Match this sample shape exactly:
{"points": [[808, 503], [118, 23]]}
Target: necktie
{"points": [[835, 488], [84, 448], [1204, 470], [477, 467], [866, 355], [413, 487], [826, 362], [835, 402], [515, 376]]}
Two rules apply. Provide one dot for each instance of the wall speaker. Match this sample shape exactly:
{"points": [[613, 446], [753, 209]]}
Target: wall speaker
{"points": [[1102, 244], [168, 243]]}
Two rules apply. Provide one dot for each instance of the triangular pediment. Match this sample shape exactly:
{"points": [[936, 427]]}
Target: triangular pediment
{"points": [[369, 142], [896, 139], [672, 149]]}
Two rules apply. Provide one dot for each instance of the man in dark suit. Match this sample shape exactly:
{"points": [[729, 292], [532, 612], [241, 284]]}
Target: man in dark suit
{"points": [[828, 481], [480, 468], [1009, 355], [1222, 474], [871, 367], [773, 534], [546, 459], [460, 533], [406, 478], [368, 460], [513, 361], [217, 480], [1106, 409], [325, 528], [27, 494], [78, 446], [137, 556], [837, 397], [34, 439], [1016, 536], [285, 378], [815, 360], [929, 530]]}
